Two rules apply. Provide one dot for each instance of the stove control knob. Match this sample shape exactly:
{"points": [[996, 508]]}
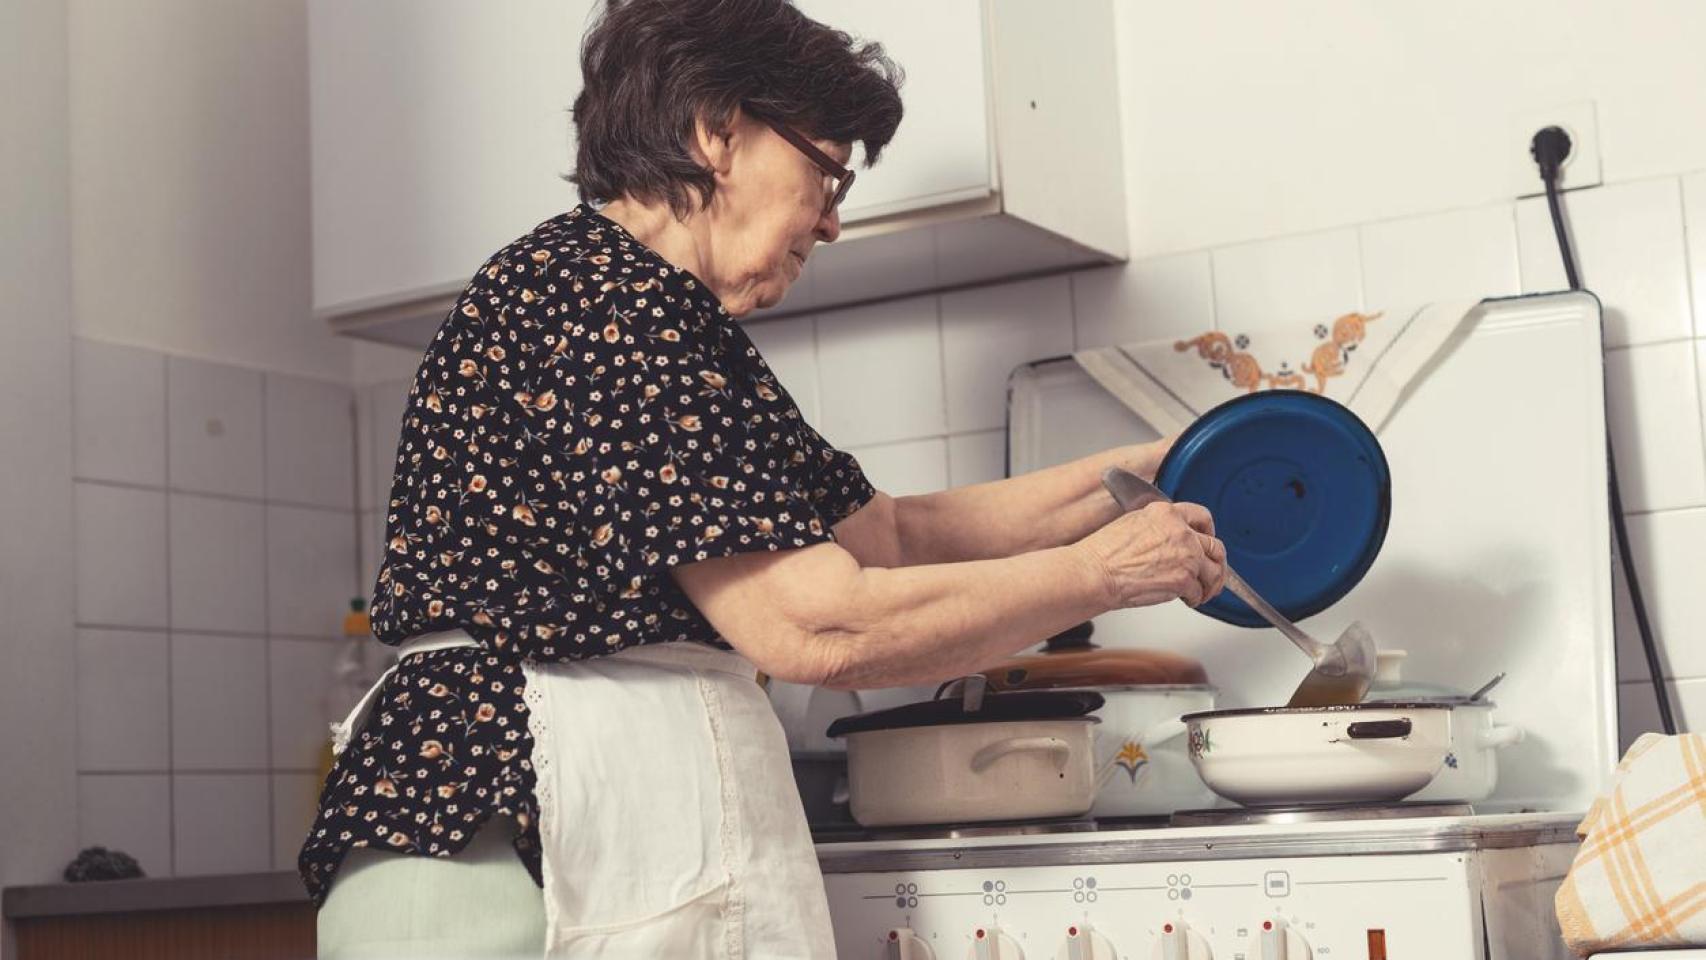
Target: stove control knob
{"points": [[903, 944], [1083, 943], [1276, 940], [1179, 942], [989, 943]]}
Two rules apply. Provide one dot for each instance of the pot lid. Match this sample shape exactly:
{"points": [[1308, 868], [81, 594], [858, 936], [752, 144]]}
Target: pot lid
{"points": [[1300, 492], [1070, 660], [995, 708]]}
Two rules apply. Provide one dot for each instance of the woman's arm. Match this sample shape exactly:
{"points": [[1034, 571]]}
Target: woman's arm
{"points": [[1035, 511], [816, 615]]}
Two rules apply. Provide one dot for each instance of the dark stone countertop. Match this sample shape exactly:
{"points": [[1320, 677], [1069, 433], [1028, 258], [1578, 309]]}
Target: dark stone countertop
{"points": [[165, 893]]}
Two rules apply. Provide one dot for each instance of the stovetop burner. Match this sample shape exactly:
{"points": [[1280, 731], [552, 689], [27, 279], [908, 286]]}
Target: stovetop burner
{"points": [[1316, 813]]}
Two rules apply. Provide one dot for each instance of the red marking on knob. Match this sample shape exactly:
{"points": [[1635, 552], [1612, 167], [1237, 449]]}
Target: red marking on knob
{"points": [[894, 934], [1167, 929], [980, 934], [1267, 924], [1072, 931]]}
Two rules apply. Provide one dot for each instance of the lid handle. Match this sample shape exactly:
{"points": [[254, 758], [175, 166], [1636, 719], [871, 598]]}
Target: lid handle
{"points": [[1072, 638]]}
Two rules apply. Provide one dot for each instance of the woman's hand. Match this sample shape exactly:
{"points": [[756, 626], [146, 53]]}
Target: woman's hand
{"points": [[1160, 552]]}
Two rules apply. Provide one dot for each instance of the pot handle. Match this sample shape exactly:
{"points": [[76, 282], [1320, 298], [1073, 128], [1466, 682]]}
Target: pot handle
{"points": [[1379, 729], [1058, 748], [1499, 736]]}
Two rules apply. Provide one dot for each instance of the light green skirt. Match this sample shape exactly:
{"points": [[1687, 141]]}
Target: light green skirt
{"points": [[480, 903]]}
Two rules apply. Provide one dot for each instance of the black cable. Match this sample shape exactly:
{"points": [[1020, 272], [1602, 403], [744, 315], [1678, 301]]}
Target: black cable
{"points": [[1549, 148]]}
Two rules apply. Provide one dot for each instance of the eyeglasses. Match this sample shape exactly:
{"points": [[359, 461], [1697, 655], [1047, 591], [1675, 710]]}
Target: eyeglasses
{"points": [[837, 178]]}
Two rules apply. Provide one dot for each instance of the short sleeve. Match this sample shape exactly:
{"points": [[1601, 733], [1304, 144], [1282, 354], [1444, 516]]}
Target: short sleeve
{"points": [[587, 419]]}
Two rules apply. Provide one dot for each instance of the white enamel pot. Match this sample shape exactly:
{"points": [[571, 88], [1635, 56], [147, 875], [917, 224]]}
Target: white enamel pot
{"points": [[1007, 756], [1143, 767], [1313, 755], [1470, 772]]}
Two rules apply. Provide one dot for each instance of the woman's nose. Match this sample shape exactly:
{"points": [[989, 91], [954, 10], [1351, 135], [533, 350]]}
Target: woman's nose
{"points": [[828, 226]]}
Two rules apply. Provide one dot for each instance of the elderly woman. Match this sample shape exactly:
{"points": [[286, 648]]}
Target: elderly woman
{"points": [[608, 515]]}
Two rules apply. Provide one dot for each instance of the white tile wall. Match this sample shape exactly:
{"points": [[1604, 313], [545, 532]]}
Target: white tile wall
{"points": [[208, 496], [310, 442], [1668, 557], [987, 331], [1144, 300], [977, 457], [124, 700], [1638, 708], [906, 469], [1629, 250], [219, 702], [214, 428], [221, 823], [1465, 253], [881, 373], [1694, 225], [790, 347], [299, 672], [310, 570], [1286, 282], [131, 812], [386, 403], [121, 556], [295, 798], [371, 546], [119, 404], [218, 564], [1653, 413]]}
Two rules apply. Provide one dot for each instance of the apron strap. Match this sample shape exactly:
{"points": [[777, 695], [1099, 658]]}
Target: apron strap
{"points": [[426, 643]]}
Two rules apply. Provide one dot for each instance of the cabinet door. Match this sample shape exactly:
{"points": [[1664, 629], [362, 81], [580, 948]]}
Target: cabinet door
{"points": [[441, 130], [942, 151]]}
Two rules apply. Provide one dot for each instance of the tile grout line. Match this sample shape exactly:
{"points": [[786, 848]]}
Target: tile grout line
{"points": [[196, 632], [171, 649], [1213, 297], [1694, 297], [212, 495], [266, 620]]}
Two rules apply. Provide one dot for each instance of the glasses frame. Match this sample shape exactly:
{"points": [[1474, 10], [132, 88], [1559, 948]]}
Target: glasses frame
{"points": [[844, 177]]}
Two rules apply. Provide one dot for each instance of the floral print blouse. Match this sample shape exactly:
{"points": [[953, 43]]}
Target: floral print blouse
{"points": [[587, 417]]}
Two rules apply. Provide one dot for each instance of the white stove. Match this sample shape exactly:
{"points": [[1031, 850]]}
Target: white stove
{"points": [[1468, 886], [1497, 561]]}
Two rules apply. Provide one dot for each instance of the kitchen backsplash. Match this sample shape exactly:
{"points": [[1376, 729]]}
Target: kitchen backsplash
{"points": [[216, 551]]}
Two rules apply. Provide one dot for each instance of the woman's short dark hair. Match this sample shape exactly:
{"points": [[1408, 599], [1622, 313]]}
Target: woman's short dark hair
{"points": [[651, 68]]}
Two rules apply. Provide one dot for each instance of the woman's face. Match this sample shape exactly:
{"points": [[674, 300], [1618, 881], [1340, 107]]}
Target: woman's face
{"points": [[766, 216]]}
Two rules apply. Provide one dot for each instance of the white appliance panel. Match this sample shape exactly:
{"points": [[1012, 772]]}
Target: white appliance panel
{"points": [[1497, 560], [1417, 905]]}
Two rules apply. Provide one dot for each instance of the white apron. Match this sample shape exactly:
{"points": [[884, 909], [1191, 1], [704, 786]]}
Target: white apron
{"points": [[669, 821]]}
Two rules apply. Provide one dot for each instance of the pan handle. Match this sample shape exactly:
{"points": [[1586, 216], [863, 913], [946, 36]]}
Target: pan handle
{"points": [[1379, 729], [1058, 748]]}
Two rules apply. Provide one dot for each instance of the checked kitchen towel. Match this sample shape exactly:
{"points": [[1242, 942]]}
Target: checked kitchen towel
{"points": [[1639, 879]]}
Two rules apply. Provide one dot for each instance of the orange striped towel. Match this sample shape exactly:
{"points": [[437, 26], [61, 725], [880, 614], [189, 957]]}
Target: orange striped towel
{"points": [[1639, 879]]}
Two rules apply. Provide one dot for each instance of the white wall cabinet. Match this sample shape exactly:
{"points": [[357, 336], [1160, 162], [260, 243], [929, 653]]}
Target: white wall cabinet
{"points": [[441, 131]]}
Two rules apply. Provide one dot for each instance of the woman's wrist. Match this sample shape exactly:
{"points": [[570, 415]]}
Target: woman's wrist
{"points": [[1144, 459]]}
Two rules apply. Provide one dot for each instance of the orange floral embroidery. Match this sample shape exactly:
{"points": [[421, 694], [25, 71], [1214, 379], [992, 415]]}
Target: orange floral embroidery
{"points": [[1245, 371]]}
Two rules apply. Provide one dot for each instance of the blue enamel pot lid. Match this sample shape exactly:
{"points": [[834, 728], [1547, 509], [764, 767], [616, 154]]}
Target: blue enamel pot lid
{"points": [[1300, 492]]}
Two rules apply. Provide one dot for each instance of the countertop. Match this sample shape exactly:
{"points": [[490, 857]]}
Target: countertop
{"points": [[165, 893]]}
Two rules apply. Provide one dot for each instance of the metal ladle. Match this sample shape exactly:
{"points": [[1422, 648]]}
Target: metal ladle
{"points": [[1342, 669]]}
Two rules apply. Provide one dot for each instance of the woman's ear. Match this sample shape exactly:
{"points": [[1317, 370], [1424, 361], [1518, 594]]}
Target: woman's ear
{"points": [[715, 142]]}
